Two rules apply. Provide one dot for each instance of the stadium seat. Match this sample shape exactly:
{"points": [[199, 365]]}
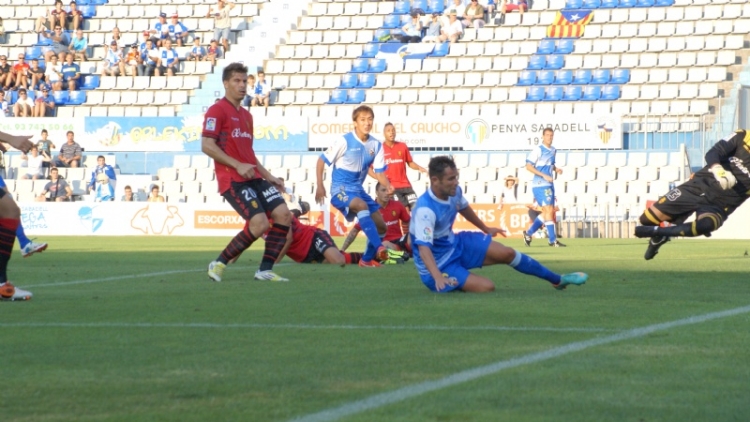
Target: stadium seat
{"points": [[76, 97], [564, 46], [370, 50], [379, 34], [402, 8], [392, 22], [620, 76], [664, 3], [600, 76], [537, 62], [554, 93], [572, 93], [33, 52], [545, 77], [645, 3], [88, 11], [611, 92], [536, 93], [348, 81], [435, 6], [355, 96], [582, 77], [591, 93], [563, 77], [360, 65], [527, 77], [339, 96], [441, 50], [366, 80], [626, 4], [592, 4], [419, 4], [377, 66], [61, 97], [573, 4], [546, 47], [555, 61]]}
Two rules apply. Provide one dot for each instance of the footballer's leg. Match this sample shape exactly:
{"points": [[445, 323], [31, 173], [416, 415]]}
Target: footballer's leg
{"points": [[10, 216], [478, 284], [276, 237], [373, 225], [383, 253], [335, 257]]}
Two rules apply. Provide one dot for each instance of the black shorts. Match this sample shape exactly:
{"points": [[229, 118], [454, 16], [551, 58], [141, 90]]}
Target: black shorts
{"points": [[253, 197], [320, 244], [699, 195], [401, 242], [406, 196]]}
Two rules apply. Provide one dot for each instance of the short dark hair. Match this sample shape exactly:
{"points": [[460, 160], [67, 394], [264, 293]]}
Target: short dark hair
{"points": [[377, 186], [548, 129], [70, 132], [438, 165], [260, 72], [45, 131], [101, 156], [388, 124], [232, 69], [127, 187], [362, 109]]}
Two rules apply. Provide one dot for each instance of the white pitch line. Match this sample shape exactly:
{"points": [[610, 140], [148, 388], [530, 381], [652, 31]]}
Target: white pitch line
{"points": [[401, 394], [298, 326]]}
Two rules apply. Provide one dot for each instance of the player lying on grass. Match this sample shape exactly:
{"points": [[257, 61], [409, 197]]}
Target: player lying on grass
{"points": [[712, 194], [444, 258]]}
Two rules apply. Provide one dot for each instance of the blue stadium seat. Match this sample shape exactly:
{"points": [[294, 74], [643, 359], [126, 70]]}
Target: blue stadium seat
{"points": [[555, 61], [89, 11], [564, 46], [546, 47], [77, 97], [664, 3], [32, 53], [338, 96], [419, 4], [591, 93], [61, 97], [611, 92], [436, 6], [44, 41], [572, 93], [600, 76], [380, 33], [349, 81], [441, 50], [592, 4], [402, 8], [370, 50], [620, 76], [554, 93], [545, 77], [536, 93], [626, 4], [12, 97], [377, 66], [607, 4], [645, 3], [366, 80], [563, 77], [90, 82], [537, 62], [392, 22], [356, 96], [582, 77], [360, 65], [573, 4], [31, 94], [527, 77]]}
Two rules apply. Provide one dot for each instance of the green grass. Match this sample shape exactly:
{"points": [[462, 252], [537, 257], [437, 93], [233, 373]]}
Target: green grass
{"points": [[176, 347]]}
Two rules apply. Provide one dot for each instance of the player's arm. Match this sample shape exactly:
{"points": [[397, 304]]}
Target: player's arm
{"points": [[350, 238], [320, 190], [379, 167], [530, 167], [289, 239], [425, 252], [474, 219], [415, 166], [209, 147], [371, 173], [21, 143], [725, 148]]}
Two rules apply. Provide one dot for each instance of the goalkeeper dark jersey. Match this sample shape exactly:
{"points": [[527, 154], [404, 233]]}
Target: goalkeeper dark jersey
{"points": [[733, 153]]}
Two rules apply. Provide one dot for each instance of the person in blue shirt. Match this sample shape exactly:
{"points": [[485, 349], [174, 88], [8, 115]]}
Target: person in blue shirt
{"points": [[443, 258], [79, 45], [177, 31], [160, 29], [351, 157], [149, 59], [261, 91], [43, 104], [198, 52], [113, 61], [102, 168], [541, 162], [169, 62], [71, 73]]}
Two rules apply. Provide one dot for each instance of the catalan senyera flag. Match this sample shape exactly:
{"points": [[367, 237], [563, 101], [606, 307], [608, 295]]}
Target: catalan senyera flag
{"points": [[569, 23]]}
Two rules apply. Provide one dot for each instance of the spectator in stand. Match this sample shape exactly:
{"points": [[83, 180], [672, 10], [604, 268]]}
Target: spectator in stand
{"points": [[133, 62], [160, 30], [55, 17], [412, 30], [154, 196], [456, 7], [511, 5], [23, 107], [60, 42], [508, 195], [146, 36], [198, 52], [35, 164], [45, 147], [43, 104], [262, 91], [53, 74], [177, 31], [169, 62], [102, 168], [20, 73], [74, 18], [116, 37], [79, 46], [251, 92], [113, 64], [433, 29], [103, 191], [489, 6], [71, 73], [37, 74], [149, 60], [214, 52], [59, 190], [6, 73], [70, 153], [222, 22], [453, 31], [4, 106], [474, 15], [2, 32], [129, 196]]}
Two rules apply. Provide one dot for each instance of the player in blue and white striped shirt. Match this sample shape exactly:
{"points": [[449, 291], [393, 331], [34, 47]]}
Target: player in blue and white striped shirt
{"points": [[444, 258], [351, 157], [541, 162]]}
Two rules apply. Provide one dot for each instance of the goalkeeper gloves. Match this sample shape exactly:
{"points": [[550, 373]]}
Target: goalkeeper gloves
{"points": [[725, 177]]}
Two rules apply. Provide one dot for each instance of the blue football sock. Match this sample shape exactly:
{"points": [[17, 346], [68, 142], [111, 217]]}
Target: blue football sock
{"points": [[551, 231], [528, 265], [536, 225], [371, 231], [21, 236]]}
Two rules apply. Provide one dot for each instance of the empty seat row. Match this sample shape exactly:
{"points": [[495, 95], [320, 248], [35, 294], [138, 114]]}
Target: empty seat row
{"points": [[116, 111], [130, 97]]}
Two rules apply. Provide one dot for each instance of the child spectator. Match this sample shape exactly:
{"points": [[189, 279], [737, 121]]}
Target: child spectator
{"points": [[103, 190], [133, 62], [43, 104], [262, 91], [433, 29], [129, 196], [45, 146], [154, 196], [198, 52], [250, 93], [74, 17], [37, 74], [23, 107], [102, 168], [214, 52]]}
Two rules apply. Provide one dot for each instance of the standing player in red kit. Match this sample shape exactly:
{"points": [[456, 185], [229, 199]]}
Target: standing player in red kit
{"points": [[245, 184], [393, 212]]}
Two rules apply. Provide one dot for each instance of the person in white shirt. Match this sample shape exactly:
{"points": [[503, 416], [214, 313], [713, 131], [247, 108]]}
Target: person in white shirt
{"points": [[261, 92], [35, 163], [53, 74], [454, 29], [113, 62], [508, 194], [24, 105], [4, 107]]}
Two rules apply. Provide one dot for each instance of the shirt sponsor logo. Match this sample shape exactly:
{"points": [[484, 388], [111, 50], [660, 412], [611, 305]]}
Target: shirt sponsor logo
{"points": [[211, 124], [237, 133]]}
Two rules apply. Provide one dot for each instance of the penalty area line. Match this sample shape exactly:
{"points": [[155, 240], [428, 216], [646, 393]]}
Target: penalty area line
{"points": [[414, 390]]}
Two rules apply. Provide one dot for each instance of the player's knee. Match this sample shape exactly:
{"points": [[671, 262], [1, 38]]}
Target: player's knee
{"points": [[337, 259], [707, 223], [282, 215], [257, 226]]}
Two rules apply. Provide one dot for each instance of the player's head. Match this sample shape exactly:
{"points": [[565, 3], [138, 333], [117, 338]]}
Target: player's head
{"points": [[443, 176], [363, 116], [235, 82], [389, 132], [382, 193], [547, 136]]}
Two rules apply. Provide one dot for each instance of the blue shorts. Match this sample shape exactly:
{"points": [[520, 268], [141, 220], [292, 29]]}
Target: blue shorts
{"points": [[342, 198], [544, 195], [469, 251], [2, 183]]}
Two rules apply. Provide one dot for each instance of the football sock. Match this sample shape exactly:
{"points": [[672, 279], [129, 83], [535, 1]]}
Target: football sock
{"points": [[237, 245], [352, 257], [275, 241], [551, 231], [536, 225], [7, 239], [528, 265], [23, 240], [700, 227], [371, 231]]}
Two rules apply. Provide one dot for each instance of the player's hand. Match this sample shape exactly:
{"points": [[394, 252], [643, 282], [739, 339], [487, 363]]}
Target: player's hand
{"points": [[277, 182], [558, 171], [548, 178], [21, 143], [390, 189], [320, 194], [725, 178], [494, 231], [246, 170], [443, 281]]}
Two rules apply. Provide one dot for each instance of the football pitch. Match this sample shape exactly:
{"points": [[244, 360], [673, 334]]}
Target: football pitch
{"points": [[130, 329]]}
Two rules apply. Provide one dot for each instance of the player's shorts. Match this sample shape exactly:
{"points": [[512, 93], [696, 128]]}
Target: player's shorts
{"points": [[544, 195], [699, 195], [401, 242], [320, 243], [469, 251], [406, 196], [341, 200], [253, 197]]}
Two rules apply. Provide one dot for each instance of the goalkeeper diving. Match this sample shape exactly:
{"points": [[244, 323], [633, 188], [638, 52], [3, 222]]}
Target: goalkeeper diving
{"points": [[712, 194]]}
